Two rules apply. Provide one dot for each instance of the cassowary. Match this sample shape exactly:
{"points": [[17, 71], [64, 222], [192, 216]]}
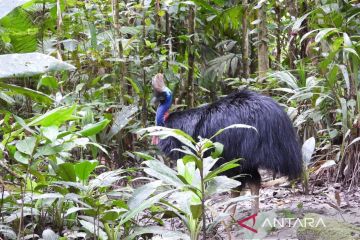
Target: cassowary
{"points": [[273, 147]]}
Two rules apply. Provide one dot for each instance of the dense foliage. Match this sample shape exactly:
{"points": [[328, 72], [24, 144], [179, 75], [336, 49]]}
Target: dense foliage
{"points": [[75, 88]]}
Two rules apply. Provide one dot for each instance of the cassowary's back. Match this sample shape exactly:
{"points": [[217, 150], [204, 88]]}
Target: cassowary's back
{"points": [[274, 146]]}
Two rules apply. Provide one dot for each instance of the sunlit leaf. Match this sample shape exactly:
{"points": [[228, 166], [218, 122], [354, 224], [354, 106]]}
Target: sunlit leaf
{"points": [[94, 128], [84, 169], [30, 64]]}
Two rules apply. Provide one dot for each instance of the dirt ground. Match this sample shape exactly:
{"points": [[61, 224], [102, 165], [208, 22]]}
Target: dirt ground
{"points": [[280, 201]]}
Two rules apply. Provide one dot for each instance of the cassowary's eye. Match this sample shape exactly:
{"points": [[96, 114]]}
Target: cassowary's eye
{"points": [[159, 97]]}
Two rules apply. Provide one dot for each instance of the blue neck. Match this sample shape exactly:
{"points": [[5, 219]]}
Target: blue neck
{"points": [[163, 107]]}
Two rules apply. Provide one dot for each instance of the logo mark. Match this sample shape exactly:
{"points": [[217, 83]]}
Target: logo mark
{"points": [[241, 222]]}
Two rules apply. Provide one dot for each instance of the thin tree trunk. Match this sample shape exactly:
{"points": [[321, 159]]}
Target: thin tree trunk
{"points": [[304, 30], [263, 57], [168, 37], [191, 58], [59, 22], [144, 108], [245, 41], [292, 8], [121, 65], [158, 23], [278, 35]]}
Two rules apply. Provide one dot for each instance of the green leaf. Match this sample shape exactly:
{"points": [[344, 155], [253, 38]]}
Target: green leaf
{"points": [[142, 193], [163, 133], [50, 133], [92, 129], [30, 64], [67, 172], [323, 33], [287, 78], [35, 95], [27, 145], [94, 229], [220, 184], [6, 6], [134, 85], [144, 205], [160, 171], [144, 156], [332, 75], [224, 167], [219, 148], [21, 158], [85, 168], [6, 98], [54, 117], [196, 211], [48, 81], [206, 6], [23, 124], [93, 35]]}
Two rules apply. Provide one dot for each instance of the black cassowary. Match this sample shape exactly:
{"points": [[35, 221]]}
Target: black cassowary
{"points": [[275, 147]]}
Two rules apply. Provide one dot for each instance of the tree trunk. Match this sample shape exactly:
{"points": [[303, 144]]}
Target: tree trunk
{"points": [[278, 35], [263, 57], [168, 38], [158, 23], [191, 58], [59, 22], [292, 8], [245, 41], [120, 64]]}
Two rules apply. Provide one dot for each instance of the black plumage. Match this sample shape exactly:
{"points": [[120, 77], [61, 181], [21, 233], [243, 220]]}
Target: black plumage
{"points": [[274, 146]]}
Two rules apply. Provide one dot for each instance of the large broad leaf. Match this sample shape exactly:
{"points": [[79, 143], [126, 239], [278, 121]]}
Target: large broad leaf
{"points": [[20, 31], [54, 117], [67, 172], [27, 145], [142, 193], [35, 95], [94, 229], [221, 184], [160, 171], [29, 64], [84, 169], [6, 6], [94, 128], [144, 205]]}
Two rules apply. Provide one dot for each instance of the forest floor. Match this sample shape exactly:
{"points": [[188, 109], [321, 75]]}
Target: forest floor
{"points": [[281, 206]]}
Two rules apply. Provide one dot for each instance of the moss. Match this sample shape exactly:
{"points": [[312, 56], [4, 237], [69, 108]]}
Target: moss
{"points": [[333, 229]]}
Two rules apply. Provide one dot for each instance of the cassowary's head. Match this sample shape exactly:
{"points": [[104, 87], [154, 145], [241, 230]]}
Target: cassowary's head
{"points": [[163, 96]]}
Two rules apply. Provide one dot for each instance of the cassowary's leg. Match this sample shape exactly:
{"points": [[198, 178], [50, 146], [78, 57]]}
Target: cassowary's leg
{"points": [[254, 183], [235, 193]]}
